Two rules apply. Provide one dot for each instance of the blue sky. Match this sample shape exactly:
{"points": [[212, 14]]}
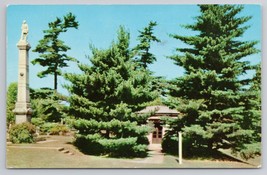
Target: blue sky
{"points": [[98, 26]]}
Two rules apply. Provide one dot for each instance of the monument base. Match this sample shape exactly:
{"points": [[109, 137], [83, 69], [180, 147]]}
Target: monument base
{"points": [[23, 112], [22, 118]]}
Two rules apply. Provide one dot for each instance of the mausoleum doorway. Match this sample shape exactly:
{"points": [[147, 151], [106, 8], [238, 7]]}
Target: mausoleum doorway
{"points": [[155, 137], [157, 133]]}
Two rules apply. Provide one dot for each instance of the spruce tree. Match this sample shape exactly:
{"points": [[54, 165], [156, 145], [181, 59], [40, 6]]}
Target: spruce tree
{"points": [[210, 95], [52, 50], [104, 99], [251, 99]]}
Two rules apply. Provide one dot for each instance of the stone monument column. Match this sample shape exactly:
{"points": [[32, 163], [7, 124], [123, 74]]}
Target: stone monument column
{"points": [[23, 108]]}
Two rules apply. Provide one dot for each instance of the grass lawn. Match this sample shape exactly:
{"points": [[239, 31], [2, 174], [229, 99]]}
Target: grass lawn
{"points": [[46, 155]]}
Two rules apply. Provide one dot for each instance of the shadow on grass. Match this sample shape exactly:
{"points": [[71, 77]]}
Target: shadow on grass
{"points": [[206, 154]]}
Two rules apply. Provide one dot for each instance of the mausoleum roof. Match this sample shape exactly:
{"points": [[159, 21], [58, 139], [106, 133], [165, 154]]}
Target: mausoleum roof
{"points": [[159, 109]]}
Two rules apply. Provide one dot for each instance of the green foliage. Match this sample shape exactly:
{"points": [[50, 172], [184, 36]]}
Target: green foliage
{"points": [[218, 109], [156, 102], [47, 126], [118, 147], [256, 80], [52, 50], [53, 128], [11, 101], [251, 99], [48, 105], [121, 128], [170, 144], [250, 150], [37, 121], [59, 129], [89, 144], [41, 93], [145, 38], [105, 97], [122, 147], [22, 133], [139, 150]]}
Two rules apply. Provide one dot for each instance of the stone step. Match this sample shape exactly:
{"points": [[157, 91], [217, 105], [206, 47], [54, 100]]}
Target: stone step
{"points": [[66, 151], [60, 149], [63, 150]]}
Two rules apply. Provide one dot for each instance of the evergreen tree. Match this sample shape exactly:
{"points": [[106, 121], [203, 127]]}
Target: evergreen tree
{"points": [[144, 57], [252, 102], [11, 101], [146, 37], [48, 105], [104, 99], [211, 95], [52, 50], [251, 99]]}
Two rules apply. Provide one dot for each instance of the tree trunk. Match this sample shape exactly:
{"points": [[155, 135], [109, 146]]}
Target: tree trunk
{"points": [[107, 134], [210, 145], [55, 81]]}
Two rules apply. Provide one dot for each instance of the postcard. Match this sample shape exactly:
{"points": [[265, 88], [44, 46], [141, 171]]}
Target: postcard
{"points": [[133, 86]]}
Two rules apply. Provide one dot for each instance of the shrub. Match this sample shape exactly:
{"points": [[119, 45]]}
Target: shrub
{"points": [[140, 150], [59, 129], [22, 133], [54, 128], [88, 144], [122, 147], [143, 140], [46, 127], [119, 147], [37, 121], [170, 144]]}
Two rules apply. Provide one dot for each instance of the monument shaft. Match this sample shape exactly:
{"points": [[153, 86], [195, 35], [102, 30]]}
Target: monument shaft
{"points": [[23, 108]]}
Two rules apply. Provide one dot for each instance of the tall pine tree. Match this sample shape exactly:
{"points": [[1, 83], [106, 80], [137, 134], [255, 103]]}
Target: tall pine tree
{"points": [[144, 57], [210, 94], [52, 50], [146, 37], [104, 99]]}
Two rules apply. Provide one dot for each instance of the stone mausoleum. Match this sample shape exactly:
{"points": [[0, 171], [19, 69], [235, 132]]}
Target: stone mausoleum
{"points": [[158, 112]]}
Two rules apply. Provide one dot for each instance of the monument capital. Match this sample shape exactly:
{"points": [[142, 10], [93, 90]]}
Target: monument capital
{"points": [[22, 45]]}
